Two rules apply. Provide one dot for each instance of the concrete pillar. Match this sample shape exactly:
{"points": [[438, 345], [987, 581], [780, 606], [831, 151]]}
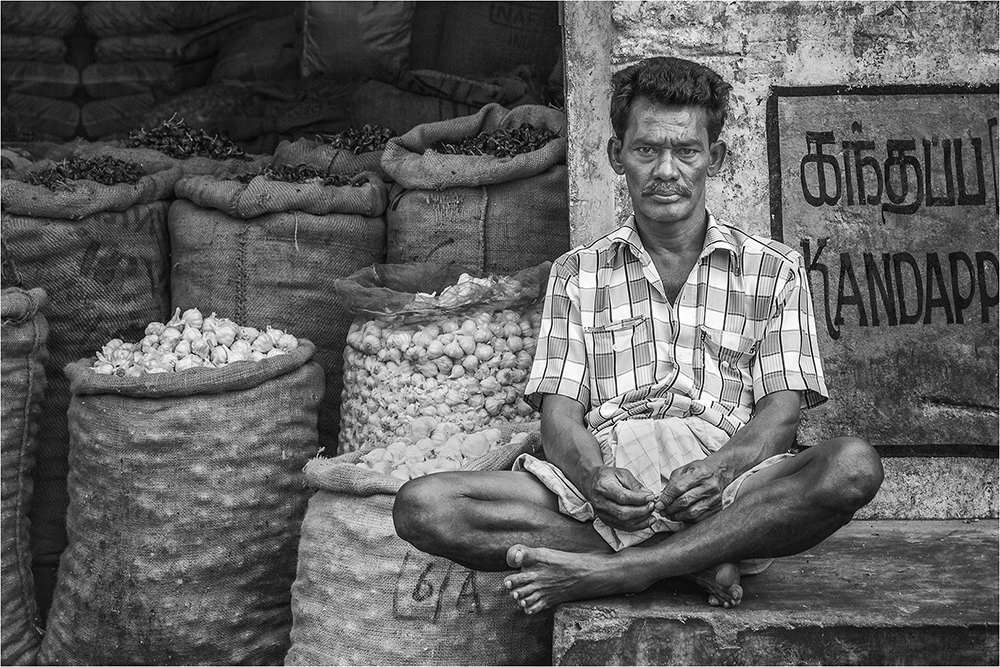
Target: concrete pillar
{"points": [[589, 31]]}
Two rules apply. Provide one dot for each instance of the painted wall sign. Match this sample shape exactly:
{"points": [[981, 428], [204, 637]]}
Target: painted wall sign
{"points": [[891, 195]]}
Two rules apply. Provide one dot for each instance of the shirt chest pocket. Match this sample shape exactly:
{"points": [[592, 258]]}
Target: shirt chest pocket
{"points": [[621, 355], [726, 364]]}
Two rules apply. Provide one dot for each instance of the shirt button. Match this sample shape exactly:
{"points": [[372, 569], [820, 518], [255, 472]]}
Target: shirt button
{"points": [[725, 363]]}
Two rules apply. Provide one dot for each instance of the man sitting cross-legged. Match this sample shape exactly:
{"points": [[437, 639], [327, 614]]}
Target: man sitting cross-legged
{"points": [[674, 357]]}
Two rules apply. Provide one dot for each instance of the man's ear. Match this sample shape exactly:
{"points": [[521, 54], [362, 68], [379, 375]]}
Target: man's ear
{"points": [[615, 155], [717, 153]]}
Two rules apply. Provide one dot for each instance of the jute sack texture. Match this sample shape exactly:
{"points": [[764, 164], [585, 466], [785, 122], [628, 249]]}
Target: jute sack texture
{"points": [[186, 496], [25, 332], [128, 18], [101, 254], [328, 158], [152, 159], [493, 214], [267, 253], [363, 596]]}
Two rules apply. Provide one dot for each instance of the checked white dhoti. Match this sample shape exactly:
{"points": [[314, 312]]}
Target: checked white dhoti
{"points": [[650, 449]]}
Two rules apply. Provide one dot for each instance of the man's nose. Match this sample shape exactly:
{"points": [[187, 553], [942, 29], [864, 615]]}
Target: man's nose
{"points": [[666, 167]]}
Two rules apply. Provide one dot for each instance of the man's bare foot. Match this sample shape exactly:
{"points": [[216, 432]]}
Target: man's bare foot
{"points": [[548, 577], [722, 583]]}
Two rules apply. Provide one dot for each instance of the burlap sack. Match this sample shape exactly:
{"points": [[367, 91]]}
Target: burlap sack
{"points": [[498, 215], [83, 198], [162, 78], [417, 97], [101, 253], [153, 159], [329, 159], [124, 18], [363, 596], [277, 269], [15, 46], [57, 80], [25, 333], [37, 118], [179, 47], [390, 378], [263, 195], [186, 495], [54, 19]]}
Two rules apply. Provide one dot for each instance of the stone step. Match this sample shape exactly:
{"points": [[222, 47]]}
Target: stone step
{"points": [[874, 593]]}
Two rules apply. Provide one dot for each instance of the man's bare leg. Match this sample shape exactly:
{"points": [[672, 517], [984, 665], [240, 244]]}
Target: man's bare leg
{"points": [[474, 518], [780, 511]]}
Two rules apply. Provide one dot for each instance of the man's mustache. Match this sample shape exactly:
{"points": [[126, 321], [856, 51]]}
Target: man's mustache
{"points": [[666, 190]]}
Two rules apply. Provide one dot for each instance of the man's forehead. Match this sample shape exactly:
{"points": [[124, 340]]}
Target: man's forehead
{"points": [[647, 112]]}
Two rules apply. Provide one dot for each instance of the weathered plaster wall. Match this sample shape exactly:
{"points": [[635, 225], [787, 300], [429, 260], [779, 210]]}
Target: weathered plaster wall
{"points": [[755, 45]]}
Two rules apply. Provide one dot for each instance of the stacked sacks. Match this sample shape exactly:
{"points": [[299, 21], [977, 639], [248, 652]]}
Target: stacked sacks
{"points": [[363, 596], [146, 52], [37, 80], [22, 384], [497, 214], [186, 496], [417, 97], [101, 253], [265, 249]]}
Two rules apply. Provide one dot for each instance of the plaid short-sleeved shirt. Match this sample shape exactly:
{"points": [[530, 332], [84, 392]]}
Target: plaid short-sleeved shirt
{"points": [[741, 327]]}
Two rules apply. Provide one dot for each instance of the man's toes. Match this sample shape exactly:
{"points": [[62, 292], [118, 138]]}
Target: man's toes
{"points": [[513, 582], [714, 601], [531, 599], [522, 592], [541, 605]]}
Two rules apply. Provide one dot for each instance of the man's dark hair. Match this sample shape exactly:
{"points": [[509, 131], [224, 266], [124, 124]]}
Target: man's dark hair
{"points": [[670, 82]]}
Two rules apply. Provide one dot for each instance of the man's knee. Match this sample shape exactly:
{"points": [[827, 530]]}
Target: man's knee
{"points": [[418, 510], [854, 474]]}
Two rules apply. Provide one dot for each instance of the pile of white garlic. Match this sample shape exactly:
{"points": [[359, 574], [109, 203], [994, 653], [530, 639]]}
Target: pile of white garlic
{"points": [[190, 340], [432, 446]]}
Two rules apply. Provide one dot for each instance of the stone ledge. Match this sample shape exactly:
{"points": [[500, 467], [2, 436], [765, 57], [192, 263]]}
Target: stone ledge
{"points": [[935, 488], [876, 593]]}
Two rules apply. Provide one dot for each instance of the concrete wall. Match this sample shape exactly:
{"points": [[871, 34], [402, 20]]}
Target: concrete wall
{"points": [[756, 45]]}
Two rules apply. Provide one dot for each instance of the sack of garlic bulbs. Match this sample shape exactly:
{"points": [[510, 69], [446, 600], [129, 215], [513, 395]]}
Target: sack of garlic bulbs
{"points": [[364, 596], [186, 493], [436, 341]]}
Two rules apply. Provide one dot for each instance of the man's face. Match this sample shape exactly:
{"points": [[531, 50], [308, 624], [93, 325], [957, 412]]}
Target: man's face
{"points": [[666, 158]]}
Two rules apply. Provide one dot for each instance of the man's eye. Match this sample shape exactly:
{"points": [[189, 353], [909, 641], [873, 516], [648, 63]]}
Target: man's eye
{"points": [[646, 150], [687, 152]]}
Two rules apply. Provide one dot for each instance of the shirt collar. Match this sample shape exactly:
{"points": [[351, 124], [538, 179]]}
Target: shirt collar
{"points": [[717, 237]]}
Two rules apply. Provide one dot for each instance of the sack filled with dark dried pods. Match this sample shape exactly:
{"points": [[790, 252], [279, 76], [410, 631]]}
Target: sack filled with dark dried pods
{"points": [[91, 232], [489, 191], [175, 143], [345, 152]]}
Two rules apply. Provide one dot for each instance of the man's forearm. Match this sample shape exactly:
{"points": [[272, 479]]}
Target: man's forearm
{"points": [[771, 431], [568, 443]]}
